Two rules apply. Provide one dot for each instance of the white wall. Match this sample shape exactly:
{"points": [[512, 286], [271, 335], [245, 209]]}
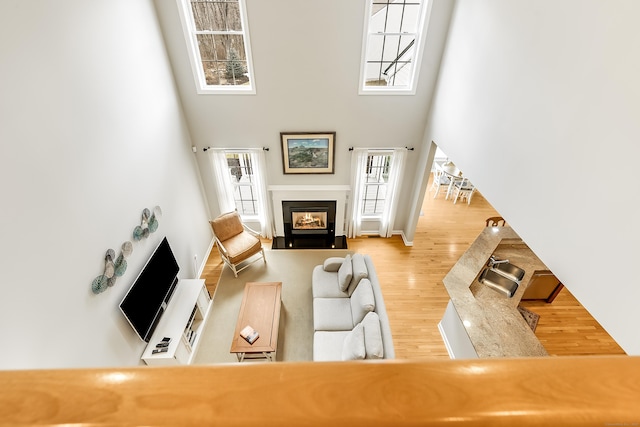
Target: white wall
{"points": [[306, 56], [91, 133], [538, 102]]}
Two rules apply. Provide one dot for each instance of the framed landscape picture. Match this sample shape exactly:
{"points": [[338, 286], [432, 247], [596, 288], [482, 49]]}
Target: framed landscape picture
{"points": [[308, 152]]}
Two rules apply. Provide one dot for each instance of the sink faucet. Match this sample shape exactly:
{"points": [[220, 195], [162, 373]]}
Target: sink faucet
{"points": [[493, 261]]}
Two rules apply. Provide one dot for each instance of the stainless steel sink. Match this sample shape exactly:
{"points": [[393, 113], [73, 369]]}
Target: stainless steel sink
{"points": [[498, 282], [509, 270]]}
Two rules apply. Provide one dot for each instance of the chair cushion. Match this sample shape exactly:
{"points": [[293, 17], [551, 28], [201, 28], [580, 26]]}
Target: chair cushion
{"points": [[359, 271], [332, 314], [242, 246], [362, 301], [344, 274], [227, 225], [353, 348], [372, 336]]}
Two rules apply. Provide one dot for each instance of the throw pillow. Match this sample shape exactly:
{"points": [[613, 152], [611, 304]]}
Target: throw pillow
{"points": [[362, 301], [359, 271], [344, 274], [332, 264], [372, 336], [353, 347]]}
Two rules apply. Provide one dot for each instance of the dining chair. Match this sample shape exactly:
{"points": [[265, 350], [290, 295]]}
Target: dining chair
{"points": [[440, 179], [462, 189], [494, 221]]}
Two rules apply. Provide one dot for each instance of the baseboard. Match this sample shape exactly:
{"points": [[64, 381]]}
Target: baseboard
{"points": [[404, 239]]}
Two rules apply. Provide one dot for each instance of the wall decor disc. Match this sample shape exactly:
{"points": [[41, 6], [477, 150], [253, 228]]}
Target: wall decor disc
{"points": [[137, 233], [99, 284], [153, 223], [111, 281], [120, 265]]}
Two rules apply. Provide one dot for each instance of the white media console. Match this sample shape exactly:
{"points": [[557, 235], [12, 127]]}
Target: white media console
{"points": [[182, 321]]}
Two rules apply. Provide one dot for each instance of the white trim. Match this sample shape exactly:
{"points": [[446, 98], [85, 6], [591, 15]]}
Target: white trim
{"points": [[425, 13], [445, 340], [194, 56], [404, 239], [280, 193]]}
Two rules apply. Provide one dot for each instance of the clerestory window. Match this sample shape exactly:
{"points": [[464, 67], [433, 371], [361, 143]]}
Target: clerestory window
{"points": [[219, 48], [392, 46]]}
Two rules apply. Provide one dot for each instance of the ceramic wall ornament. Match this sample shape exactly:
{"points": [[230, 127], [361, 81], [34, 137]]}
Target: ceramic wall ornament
{"points": [[120, 265], [116, 267], [101, 283], [153, 220], [148, 224]]}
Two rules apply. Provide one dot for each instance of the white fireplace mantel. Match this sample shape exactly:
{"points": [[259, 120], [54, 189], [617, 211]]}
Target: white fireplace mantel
{"points": [[280, 193]]}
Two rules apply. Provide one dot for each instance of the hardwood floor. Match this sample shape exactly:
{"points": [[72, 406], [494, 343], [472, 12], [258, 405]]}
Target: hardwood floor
{"points": [[411, 280]]}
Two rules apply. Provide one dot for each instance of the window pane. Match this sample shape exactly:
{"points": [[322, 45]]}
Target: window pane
{"points": [[211, 15], [223, 59], [402, 18], [411, 18]]}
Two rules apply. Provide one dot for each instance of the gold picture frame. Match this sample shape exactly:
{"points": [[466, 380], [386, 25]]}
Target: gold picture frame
{"points": [[308, 152]]}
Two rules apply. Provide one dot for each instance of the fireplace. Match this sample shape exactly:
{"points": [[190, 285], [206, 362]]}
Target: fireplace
{"points": [[309, 224], [308, 221]]}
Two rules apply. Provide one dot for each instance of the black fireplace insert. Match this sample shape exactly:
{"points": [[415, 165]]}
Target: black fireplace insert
{"points": [[309, 224]]}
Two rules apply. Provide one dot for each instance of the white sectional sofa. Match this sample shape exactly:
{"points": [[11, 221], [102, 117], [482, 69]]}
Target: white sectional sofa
{"points": [[349, 316]]}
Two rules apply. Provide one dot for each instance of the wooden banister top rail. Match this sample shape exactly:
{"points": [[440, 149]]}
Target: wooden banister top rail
{"points": [[557, 391]]}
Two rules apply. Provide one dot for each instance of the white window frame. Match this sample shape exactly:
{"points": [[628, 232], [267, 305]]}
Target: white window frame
{"points": [[186, 16], [246, 163], [381, 186], [410, 89]]}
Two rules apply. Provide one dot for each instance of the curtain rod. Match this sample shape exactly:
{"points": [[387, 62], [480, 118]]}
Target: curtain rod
{"points": [[382, 149], [233, 149]]}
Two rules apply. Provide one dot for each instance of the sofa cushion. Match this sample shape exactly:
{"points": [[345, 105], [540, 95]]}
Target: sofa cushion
{"points": [[332, 314], [353, 348], [324, 284], [372, 336], [327, 345], [362, 301], [359, 271], [332, 264], [344, 274]]}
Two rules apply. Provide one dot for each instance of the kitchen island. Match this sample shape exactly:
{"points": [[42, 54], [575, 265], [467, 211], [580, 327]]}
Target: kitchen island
{"points": [[478, 321]]}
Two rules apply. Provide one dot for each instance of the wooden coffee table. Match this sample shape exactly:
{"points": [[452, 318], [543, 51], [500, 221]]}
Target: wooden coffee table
{"points": [[260, 309]]}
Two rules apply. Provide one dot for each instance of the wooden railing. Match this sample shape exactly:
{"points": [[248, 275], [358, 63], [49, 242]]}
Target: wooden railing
{"points": [[567, 391]]}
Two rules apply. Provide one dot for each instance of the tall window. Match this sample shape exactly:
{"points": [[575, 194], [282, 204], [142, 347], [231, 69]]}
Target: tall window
{"points": [[375, 184], [392, 46], [245, 194], [218, 39], [376, 177]]}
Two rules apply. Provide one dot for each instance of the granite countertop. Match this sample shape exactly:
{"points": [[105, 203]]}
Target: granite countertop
{"points": [[494, 325]]}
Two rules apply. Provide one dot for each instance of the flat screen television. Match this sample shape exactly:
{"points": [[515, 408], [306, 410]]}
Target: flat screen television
{"points": [[147, 298]]}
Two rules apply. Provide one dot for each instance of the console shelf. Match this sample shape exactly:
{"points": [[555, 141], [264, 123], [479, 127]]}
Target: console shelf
{"points": [[182, 321]]}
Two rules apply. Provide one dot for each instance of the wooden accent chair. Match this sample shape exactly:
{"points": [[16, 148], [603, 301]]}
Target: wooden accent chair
{"points": [[236, 242], [494, 221]]}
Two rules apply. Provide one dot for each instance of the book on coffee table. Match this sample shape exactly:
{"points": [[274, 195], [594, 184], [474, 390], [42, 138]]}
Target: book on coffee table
{"points": [[249, 334]]}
